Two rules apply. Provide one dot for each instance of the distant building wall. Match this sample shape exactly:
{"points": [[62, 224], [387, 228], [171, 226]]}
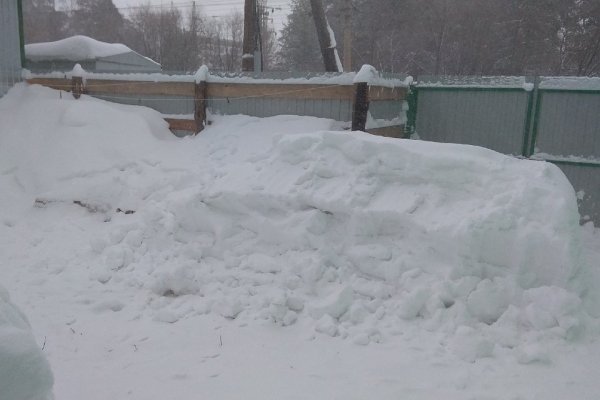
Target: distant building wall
{"points": [[10, 45]]}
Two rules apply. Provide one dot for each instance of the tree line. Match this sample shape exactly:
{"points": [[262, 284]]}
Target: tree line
{"points": [[417, 37], [457, 37]]}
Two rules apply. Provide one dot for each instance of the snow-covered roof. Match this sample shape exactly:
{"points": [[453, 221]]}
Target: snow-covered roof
{"points": [[75, 48]]}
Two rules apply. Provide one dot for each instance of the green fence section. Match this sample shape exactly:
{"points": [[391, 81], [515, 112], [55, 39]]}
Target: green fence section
{"points": [[543, 118], [11, 43]]}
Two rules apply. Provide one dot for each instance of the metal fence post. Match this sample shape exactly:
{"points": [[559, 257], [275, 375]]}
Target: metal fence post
{"points": [[537, 106], [527, 127], [411, 115]]}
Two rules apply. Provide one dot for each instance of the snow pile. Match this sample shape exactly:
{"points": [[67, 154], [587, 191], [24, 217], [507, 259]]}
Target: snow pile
{"points": [[344, 234], [360, 235], [74, 48], [24, 372], [70, 138]]}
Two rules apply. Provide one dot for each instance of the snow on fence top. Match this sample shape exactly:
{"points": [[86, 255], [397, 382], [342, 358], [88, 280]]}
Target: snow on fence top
{"points": [[348, 78], [509, 82], [570, 83], [75, 48]]}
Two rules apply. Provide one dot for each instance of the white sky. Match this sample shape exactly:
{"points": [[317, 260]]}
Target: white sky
{"points": [[214, 8]]}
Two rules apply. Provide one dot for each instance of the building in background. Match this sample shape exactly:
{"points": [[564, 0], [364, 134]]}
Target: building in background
{"points": [[91, 54], [11, 44]]}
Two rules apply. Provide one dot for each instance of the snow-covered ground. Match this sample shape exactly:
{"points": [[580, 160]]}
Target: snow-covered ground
{"points": [[280, 258]]}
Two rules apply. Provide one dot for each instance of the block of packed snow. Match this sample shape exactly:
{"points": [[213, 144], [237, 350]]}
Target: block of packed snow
{"points": [[24, 371]]}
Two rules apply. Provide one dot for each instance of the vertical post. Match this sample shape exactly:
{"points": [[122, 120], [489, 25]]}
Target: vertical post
{"points": [[348, 36], [360, 107], [200, 105], [77, 81], [537, 106], [528, 127], [77, 86], [248, 46], [21, 32], [411, 115], [324, 35]]}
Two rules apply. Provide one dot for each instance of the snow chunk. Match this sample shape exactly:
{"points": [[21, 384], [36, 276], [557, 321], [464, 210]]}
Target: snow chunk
{"points": [[24, 372], [366, 74], [202, 74], [334, 305], [78, 71]]}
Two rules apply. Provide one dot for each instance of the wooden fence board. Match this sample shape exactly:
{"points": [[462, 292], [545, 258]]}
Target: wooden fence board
{"points": [[182, 124], [53, 83], [103, 86], [285, 91], [395, 131]]}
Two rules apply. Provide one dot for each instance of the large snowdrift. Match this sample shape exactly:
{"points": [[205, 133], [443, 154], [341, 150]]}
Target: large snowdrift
{"points": [[360, 237], [24, 372]]}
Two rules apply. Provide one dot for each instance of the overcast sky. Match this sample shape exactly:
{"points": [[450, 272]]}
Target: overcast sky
{"points": [[213, 8]]}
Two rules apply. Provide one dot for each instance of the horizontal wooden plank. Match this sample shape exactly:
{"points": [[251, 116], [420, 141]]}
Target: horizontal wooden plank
{"points": [[140, 88], [183, 125], [53, 83], [395, 131], [282, 91], [386, 93]]}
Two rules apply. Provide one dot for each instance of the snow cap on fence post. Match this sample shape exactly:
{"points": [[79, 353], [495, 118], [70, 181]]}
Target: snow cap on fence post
{"points": [[202, 74], [200, 93], [77, 82], [366, 74], [78, 71]]}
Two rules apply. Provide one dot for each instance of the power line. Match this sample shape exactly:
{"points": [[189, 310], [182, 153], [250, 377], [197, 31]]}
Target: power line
{"points": [[183, 5]]}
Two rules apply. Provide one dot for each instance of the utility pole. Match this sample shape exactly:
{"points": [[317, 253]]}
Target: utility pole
{"points": [[249, 43], [347, 36], [264, 33], [252, 44], [325, 38]]}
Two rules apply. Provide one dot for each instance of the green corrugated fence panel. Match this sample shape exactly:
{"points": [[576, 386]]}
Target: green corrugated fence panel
{"points": [[492, 119], [569, 124], [10, 45]]}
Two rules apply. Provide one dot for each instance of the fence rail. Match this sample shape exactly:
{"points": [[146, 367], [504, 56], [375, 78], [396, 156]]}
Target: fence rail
{"points": [[181, 97]]}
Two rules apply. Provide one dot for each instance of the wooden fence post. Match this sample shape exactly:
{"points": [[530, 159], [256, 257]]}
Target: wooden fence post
{"points": [[77, 86], [360, 106], [200, 105]]}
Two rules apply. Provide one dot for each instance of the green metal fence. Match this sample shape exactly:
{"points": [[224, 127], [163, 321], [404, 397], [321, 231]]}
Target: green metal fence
{"points": [[542, 118], [11, 44]]}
